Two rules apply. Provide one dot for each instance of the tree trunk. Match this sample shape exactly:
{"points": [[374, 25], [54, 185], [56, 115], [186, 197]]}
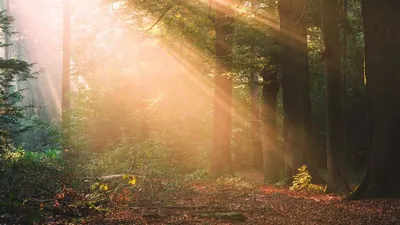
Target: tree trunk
{"points": [[344, 75], [294, 67], [256, 145], [336, 153], [272, 154], [6, 35], [66, 56], [7, 39], [310, 150], [221, 152], [382, 54]]}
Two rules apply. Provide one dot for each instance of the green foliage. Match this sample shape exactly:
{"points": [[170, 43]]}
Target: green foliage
{"points": [[302, 181], [27, 177], [41, 136], [119, 92], [12, 71], [234, 182], [199, 174]]}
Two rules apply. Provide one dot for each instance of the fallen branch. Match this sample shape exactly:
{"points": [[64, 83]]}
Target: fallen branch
{"points": [[225, 216], [195, 207], [113, 176], [151, 215], [181, 207]]}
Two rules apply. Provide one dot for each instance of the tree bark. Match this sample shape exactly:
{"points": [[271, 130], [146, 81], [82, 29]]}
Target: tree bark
{"points": [[256, 142], [221, 153], [66, 56], [336, 152], [272, 154], [256, 145], [382, 54], [294, 81]]}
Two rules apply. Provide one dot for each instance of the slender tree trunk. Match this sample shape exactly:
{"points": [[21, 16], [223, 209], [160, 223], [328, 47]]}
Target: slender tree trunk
{"points": [[336, 153], [221, 153], [272, 150], [7, 36], [382, 54], [272, 154], [66, 57], [310, 152], [344, 77], [294, 81], [256, 144]]}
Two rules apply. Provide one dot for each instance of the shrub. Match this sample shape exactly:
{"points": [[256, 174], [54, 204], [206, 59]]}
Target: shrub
{"points": [[302, 181], [27, 180]]}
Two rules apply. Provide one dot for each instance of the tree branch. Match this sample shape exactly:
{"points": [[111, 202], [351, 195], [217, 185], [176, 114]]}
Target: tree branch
{"points": [[159, 19]]}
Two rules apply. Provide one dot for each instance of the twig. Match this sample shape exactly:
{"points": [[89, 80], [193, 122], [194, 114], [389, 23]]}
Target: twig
{"points": [[159, 19]]}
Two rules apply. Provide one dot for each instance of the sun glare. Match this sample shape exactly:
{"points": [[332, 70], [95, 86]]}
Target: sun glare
{"points": [[112, 48]]}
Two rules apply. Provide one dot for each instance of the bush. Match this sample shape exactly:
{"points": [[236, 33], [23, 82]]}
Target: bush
{"points": [[27, 180], [302, 181]]}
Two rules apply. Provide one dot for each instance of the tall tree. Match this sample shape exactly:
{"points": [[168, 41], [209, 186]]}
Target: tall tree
{"points": [[66, 56], [11, 105], [336, 153], [270, 89], [294, 81], [7, 35], [344, 67], [382, 54], [256, 144], [221, 152]]}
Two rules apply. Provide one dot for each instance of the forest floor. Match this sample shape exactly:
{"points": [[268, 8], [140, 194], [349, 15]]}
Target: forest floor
{"points": [[230, 201]]}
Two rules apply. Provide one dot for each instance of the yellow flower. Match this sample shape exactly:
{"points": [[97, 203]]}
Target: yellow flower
{"points": [[103, 187]]}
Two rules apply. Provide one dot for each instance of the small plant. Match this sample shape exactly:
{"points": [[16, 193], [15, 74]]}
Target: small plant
{"points": [[302, 181], [200, 174]]}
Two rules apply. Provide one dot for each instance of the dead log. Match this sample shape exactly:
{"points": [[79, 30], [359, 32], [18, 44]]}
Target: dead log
{"points": [[232, 216]]}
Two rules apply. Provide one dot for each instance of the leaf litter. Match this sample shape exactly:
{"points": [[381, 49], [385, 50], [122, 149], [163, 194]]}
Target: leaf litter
{"points": [[213, 202]]}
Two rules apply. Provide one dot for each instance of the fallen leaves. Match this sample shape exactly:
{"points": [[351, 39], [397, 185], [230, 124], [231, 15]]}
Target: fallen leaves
{"points": [[211, 202]]}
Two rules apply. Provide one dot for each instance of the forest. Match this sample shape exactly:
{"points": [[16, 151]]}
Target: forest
{"points": [[199, 112]]}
